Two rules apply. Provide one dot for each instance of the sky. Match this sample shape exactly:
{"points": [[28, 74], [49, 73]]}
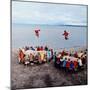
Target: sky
{"points": [[49, 14]]}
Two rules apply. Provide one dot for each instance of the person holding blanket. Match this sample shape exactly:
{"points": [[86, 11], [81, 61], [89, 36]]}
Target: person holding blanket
{"points": [[61, 62], [75, 65], [26, 62], [42, 57], [58, 60], [21, 56], [68, 64], [71, 66], [54, 57], [64, 63], [80, 63], [31, 58], [48, 55]]}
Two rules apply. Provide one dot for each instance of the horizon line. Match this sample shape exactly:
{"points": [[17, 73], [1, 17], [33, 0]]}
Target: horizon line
{"points": [[52, 24]]}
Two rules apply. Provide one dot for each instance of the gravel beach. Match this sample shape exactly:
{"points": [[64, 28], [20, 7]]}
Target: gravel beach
{"points": [[40, 76]]}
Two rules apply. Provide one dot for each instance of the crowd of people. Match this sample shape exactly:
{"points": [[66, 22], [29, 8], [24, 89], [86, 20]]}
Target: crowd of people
{"points": [[70, 61], [35, 55], [65, 59]]}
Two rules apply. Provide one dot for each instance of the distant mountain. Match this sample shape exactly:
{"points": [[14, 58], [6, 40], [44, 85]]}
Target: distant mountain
{"points": [[74, 25], [51, 24]]}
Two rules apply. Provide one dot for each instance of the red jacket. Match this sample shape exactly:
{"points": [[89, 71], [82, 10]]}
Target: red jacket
{"points": [[65, 33], [76, 55], [68, 64], [75, 64]]}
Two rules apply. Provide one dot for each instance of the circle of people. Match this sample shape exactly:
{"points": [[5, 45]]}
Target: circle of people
{"points": [[70, 60]]}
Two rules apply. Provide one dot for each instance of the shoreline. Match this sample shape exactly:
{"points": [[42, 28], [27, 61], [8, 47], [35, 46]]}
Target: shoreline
{"points": [[83, 48]]}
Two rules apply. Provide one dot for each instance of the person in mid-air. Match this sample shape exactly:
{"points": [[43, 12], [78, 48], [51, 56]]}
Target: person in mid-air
{"points": [[37, 32], [65, 34]]}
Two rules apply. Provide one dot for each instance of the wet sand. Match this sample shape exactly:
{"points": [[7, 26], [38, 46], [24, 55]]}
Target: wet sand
{"points": [[45, 75]]}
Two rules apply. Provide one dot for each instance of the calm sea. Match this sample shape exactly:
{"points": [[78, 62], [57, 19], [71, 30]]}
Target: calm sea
{"points": [[50, 35]]}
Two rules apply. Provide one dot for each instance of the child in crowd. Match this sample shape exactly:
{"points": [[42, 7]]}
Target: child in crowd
{"points": [[80, 63], [61, 62], [64, 63], [36, 58], [42, 48], [31, 58], [75, 55], [58, 60], [68, 64], [48, 55], [71, 66], [75, 65], [42, 57], [54, 57], [67, 60], [32, 48], [26, 62], [51, 54], [46, 48]]}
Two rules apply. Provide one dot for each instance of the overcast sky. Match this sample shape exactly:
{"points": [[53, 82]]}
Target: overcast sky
{"points": [[46, 13]]}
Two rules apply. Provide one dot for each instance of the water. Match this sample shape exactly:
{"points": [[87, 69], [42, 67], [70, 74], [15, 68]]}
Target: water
{"points": [[50, 35]]}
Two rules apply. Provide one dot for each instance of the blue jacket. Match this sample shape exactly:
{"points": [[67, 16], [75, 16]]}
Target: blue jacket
{"points": [[71, 65], [64, 63]]}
